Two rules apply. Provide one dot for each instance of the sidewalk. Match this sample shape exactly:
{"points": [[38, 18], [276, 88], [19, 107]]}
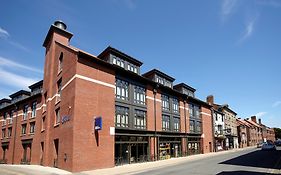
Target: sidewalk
{"points": [[31, 169], [142, 167]]}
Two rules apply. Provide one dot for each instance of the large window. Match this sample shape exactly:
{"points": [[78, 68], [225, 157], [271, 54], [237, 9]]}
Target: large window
{"points": [[32, 127], [33, 108], [194, 111], [191, 126], [23, 129], [11, 116], [122, 89], [175, 105], [140, 119], [25, 110], [57, 119], [4, 118], [165, 103], [198, 126], [139, 95], [165, 122], [10, 132], [59, 86], [121, 116], [3, 133], [176, 124]]}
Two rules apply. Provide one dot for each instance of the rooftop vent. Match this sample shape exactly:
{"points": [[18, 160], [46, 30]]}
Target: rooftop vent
{"points": [[60, 24]]}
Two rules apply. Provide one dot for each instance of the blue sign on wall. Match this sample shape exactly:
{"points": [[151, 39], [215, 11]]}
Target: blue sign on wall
{"points": [[98, 123]]}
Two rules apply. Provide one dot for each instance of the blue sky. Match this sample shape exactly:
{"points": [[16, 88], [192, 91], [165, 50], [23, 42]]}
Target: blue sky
{"points": [[228, 48]]}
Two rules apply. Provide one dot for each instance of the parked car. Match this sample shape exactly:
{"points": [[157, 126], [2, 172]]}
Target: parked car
{"points": [[268, 146], [278, 142], [259, 144]]}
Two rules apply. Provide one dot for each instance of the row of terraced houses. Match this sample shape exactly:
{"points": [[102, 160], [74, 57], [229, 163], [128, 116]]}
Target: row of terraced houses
{"points": [[92, 112]]}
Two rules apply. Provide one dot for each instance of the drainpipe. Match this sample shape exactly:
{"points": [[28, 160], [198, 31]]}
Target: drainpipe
{"points": [[213, 130], [13, 155], [185, 133], [154, 94]]}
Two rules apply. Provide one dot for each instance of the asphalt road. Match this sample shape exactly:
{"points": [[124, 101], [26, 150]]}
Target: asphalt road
{"points": [[247, 162], [251, 161]]}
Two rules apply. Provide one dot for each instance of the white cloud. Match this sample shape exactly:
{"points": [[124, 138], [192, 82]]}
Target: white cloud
{"points": [[277, 103], [130, 4], [270, 3], [14, 80], [249, 29], [4, 33], [260, 114], [227, 8], [4, 62]]}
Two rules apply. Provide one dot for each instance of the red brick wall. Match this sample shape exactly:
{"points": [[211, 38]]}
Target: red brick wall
{"points": [[207, 130], [93, 150]]}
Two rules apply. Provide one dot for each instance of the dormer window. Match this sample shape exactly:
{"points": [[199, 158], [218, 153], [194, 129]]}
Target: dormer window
{"points": [[118, 61], [132, 68]]}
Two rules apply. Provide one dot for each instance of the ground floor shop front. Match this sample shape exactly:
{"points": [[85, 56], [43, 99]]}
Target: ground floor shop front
{"points": [[134, 148]]}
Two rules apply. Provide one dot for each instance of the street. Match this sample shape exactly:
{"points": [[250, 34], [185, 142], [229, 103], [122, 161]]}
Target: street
{"points": [[249, 161]]}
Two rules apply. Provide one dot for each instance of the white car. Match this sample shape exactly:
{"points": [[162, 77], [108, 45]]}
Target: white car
{"points": [[268, 146]]}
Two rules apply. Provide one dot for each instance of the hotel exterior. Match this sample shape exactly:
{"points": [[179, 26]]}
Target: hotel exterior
{"points": [[92, 112]]}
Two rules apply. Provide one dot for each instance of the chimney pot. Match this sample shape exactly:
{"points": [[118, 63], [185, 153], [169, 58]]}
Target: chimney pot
{"points": [[60, 24], [210, 100]]}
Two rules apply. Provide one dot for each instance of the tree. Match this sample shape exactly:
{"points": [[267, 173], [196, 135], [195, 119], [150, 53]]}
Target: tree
{"points": [[277, 133]]}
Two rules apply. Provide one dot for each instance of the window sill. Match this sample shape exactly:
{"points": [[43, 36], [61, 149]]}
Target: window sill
{"points": [[42, 130], [22, 135], [59, 72], [31, 134], [56, 125]]}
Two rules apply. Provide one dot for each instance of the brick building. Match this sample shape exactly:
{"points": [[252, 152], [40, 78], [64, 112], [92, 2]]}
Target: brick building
{"points": [[144, 117]]}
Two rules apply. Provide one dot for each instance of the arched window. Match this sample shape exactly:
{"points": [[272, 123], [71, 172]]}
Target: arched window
{"points": [[60, 62]]}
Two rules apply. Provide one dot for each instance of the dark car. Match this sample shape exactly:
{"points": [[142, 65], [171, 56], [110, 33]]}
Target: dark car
{"points": [[268, 146], [278, 142], [259, 145]]}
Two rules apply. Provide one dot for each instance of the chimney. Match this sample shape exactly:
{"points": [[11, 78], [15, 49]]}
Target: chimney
{"points": [[259, 121], [210, 100], [57, 32], [254, 119]]}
